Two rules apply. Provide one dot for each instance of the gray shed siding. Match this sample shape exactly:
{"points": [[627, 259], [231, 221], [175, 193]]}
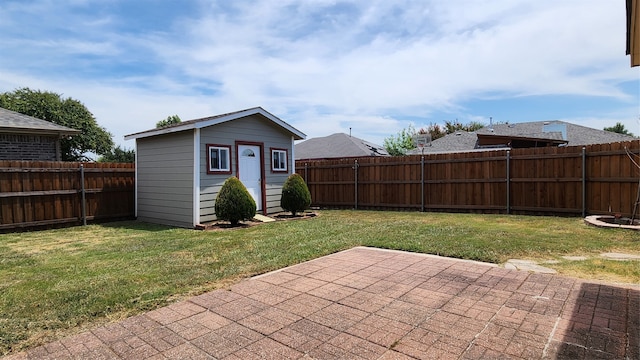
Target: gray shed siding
{"points": [[165, 179], [249, 129]]}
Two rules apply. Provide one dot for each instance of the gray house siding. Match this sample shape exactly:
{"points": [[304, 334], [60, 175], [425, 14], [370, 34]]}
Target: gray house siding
{"points": [[165, 179], [252, 129]]}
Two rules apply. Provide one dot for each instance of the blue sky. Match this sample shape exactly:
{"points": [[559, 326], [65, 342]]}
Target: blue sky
{"points": [[326, 66]]}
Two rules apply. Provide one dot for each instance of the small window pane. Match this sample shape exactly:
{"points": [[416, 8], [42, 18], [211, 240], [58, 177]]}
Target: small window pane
{"points": [[248, 153], [224, 155], [215, 159]]}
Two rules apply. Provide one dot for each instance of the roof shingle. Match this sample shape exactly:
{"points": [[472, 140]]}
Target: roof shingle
{"points": [[14, 122], [338, 145]]}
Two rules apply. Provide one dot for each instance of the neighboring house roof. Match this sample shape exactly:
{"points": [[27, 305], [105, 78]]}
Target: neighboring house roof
{"points": [[218, 119], [555, 129], [337, 145], [16, 123], [553, 133]]}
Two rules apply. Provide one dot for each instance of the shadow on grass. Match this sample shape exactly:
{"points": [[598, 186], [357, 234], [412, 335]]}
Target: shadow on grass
{"points": [[137, 225]]}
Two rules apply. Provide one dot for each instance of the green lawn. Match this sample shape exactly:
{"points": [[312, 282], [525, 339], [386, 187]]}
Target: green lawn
{"points": [[57, 282]]}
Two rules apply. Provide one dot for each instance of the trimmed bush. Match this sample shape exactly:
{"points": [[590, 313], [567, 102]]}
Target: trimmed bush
{"points": [[295, 195], [234, 203]]}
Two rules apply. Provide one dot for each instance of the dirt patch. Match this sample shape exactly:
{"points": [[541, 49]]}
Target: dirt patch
{"points": [[225, 225], [288, 216]]}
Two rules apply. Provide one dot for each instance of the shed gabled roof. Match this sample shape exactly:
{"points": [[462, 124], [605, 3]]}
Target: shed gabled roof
{"points": [[17, 123], [218, 119], [337, 145]]}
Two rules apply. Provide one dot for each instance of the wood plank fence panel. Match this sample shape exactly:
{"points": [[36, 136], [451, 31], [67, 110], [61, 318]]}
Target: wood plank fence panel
{"points": [[552, 180], [36, 193], [613, 178]]}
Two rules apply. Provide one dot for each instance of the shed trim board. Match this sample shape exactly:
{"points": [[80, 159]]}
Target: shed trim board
{"points": [[135, 187], [196, 176], [293, 155]]}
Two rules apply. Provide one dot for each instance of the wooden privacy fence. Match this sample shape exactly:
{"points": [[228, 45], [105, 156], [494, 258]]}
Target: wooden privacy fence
{"points": [[595, 179], [39, 193]]}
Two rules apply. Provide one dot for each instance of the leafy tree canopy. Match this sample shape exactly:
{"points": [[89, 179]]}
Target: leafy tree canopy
{"points": [[453, 126], [618, 128], [170, 120], [118, 155], [435, 130], [399, 144], [67, 112]]}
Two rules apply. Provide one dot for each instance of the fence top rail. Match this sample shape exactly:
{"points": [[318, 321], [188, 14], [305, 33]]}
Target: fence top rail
{"points": [[59, 170], [488, 155], [323, 165], [62, 164]]}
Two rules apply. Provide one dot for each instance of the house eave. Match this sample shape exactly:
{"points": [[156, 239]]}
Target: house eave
{"points": [[45, 132], [505, 140]]}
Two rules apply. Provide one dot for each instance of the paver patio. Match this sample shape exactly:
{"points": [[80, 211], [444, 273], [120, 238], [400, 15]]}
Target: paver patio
{"points": [[367, 303]]}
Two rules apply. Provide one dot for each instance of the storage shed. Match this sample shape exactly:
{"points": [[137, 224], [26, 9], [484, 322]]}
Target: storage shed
{"points": [[181, 168]]}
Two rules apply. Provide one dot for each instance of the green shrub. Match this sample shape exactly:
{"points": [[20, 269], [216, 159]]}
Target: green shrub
{"points": [[295, 195], [234, 203]]}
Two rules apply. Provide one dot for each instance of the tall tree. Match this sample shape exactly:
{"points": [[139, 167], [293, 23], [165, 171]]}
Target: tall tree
{"points": [[118, 155], [170, 120], [68, 112], [618, 128]]}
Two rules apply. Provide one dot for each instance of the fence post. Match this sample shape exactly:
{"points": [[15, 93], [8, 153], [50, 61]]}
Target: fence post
{"points": [[306, 180], [422, 183], [355, 167], [508, 182], [83, 205], [584, 181]]}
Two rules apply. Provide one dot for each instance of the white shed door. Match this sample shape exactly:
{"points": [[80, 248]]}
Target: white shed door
{"points": [[250, 171]]}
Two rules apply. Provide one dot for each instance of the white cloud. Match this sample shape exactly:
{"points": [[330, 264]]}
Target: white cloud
{"points": [[323, 66]]}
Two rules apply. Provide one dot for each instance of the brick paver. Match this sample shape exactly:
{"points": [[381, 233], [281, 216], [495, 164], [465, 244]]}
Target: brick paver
{"points": [[367, 303]]}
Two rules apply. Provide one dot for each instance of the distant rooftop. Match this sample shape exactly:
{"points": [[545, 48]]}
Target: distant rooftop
{"points": [[527, 134], [337, 145]]}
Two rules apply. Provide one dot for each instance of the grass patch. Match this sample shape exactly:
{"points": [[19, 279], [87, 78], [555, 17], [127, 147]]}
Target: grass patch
{"points": [[57, 282]]}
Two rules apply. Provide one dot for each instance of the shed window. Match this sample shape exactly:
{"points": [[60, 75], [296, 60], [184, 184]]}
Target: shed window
{"points": [[218, 159], [278, 160]]}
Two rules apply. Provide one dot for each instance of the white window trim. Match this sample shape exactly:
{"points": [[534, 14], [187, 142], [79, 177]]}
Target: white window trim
{"points": [[220, 149], [281, 153]]}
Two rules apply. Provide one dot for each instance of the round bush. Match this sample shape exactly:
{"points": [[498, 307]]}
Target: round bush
{"points": [[295, 195], [234, 203]]}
